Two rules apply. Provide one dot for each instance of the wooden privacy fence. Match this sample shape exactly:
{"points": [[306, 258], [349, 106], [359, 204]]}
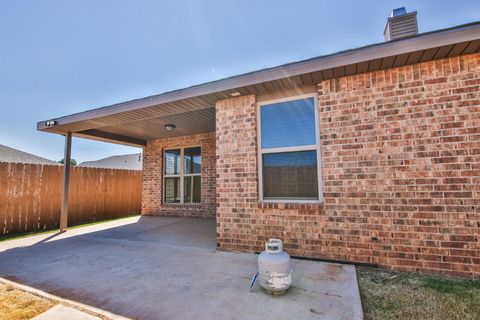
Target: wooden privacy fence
{"points": [[30, 195]]}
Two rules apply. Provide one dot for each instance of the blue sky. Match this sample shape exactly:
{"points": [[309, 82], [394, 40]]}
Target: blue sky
{"points": [[61, 57]]}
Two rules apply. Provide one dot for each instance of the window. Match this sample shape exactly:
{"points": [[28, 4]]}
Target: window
{"points": [[289, 165], [183, 175]]}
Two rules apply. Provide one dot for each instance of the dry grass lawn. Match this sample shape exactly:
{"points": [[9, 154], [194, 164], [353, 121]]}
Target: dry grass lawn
{"points": [[18, 305], [398, 295]]}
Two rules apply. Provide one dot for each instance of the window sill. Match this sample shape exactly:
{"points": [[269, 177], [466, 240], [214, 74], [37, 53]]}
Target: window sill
{"points": [[198, 204], [286, 204]]}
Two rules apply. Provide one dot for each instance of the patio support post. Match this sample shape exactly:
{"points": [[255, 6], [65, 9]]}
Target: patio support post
{"points": [[66, 181]]}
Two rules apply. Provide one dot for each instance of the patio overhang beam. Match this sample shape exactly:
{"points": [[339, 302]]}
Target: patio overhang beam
{"points": [[99, 135]]}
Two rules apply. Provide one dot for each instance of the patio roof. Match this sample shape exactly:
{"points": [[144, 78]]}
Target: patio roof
{"points": [[192, 109]]}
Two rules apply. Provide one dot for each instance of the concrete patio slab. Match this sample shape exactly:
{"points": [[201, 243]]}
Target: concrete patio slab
{"points": [[61, 312], [167, 268]]}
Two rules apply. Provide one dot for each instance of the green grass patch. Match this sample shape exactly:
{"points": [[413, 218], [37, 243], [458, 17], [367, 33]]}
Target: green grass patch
{"points": [[47, 231], [401, 295]]}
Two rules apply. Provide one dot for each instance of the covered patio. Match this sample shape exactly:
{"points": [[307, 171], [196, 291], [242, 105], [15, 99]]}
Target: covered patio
{"points": [[168, 268], [216, 116]]}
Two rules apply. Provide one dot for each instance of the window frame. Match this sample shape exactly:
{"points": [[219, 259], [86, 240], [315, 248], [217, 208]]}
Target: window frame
{"points": [[315, 147], [181, 175]]}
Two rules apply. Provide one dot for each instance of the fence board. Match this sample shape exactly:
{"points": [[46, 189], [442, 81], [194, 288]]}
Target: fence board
{"points": [[30, 195]]}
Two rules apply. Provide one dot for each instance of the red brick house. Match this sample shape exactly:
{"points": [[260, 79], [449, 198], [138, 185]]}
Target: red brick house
{"points": [[370, 155]]}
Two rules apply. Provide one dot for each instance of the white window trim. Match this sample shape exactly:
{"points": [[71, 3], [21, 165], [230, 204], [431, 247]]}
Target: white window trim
{"points": [[316, 147], [180, 175]]}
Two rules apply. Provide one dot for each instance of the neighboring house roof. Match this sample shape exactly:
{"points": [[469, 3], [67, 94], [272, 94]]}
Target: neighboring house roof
{"points": [[127, 162], [8, 154], [193, 109]]}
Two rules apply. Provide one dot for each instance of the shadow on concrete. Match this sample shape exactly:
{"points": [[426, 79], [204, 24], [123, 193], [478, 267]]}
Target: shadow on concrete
{"points": [[50, 237]]}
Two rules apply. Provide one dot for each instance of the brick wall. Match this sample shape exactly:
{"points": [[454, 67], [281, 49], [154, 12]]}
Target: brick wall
{"points": [[237, 193], [152, 195], [401, 172]]}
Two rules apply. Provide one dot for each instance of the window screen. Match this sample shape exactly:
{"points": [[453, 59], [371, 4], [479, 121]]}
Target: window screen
{"points": [[288, 124]]}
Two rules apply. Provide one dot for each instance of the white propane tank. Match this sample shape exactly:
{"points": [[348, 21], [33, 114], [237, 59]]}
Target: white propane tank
{"points": [[274, 269]]}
